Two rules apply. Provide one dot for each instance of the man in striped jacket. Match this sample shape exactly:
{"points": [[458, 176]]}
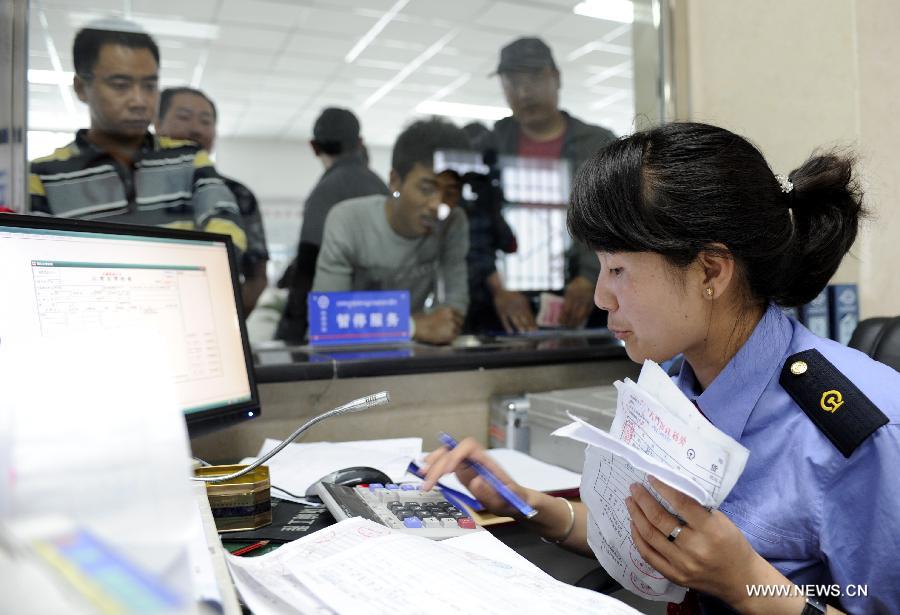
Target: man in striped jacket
{"points": [[116, 170]]}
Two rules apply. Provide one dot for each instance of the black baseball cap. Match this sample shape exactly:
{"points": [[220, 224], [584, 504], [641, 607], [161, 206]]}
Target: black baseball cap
{"points": [[526, 53], [337, 126]]}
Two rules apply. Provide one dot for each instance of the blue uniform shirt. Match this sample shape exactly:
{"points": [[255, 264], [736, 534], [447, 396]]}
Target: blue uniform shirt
{"points": [[818, 517]]}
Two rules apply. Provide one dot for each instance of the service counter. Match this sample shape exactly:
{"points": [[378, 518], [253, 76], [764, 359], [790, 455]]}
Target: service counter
{"points": [[432, 388]]}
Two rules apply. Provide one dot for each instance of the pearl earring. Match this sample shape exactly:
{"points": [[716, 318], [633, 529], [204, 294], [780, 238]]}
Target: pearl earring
{"points": [[396, 194]]}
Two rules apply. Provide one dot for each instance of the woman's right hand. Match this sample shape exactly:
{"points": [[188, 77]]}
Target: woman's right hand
{"points": [[554, 519], [444, 461]]}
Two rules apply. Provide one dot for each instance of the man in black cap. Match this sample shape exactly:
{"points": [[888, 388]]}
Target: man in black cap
{"points": [[337, 144], [538, 128]]}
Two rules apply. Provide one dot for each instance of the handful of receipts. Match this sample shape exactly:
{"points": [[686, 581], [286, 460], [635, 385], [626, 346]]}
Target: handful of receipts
{"points": [[657, 431]]}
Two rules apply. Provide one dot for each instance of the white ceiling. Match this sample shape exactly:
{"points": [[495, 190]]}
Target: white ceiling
{"points": [[275, 64]]}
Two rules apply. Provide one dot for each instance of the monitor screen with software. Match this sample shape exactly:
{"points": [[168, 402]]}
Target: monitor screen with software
{"points": [[70, 276]]}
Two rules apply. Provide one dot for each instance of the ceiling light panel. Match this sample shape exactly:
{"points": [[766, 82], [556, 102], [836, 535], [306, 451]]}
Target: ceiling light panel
{"points": [[373, 6], [230, 86], [394, 43], [479, 44], [390, 55], [289, 55], [194, 10], [398, 101], [409, 69], [518, 19], [175, 78], [422, 34], [453, 11], [187, 54], [255, 12], [580, 28], [462, 110], [369, 36], [109, 6], [291, 85], [376, 64], [432, 80], [39, 62], [233, 59], [292, 65], [303, 43], [320, 21], [233, 36], [157, 26], [58, 21], [621, 11], [42, 97]]}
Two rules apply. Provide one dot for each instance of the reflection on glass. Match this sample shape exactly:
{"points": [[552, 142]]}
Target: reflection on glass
{"points": [[361, 355], [536, 181], [272, 67]]}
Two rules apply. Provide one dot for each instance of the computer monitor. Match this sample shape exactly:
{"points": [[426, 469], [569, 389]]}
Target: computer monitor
{"points": [[63, 276]]}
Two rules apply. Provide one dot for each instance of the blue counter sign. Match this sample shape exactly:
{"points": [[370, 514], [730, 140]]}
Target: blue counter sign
{"points": [[359, 317]]}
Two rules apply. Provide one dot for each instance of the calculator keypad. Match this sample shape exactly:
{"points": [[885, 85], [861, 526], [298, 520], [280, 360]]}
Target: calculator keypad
{"points": [[412, 507], [401, 507]]}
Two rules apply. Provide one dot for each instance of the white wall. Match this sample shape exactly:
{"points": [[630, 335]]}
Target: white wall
{"points": [[282, 168], [281, 173], [794, 76], [878, 51]]}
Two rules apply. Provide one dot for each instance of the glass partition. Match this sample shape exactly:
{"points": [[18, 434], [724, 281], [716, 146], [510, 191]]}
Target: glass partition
{"points": [[13, 55], [272, 66]]}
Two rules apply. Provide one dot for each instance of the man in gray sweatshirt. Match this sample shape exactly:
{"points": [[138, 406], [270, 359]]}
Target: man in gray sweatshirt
{"points": [[400, 242]]}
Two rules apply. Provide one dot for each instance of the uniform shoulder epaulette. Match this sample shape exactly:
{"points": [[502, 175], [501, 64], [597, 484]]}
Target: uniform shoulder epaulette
{"points": [[827, 396]]}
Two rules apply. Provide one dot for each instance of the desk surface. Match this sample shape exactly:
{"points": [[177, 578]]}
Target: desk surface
{"points": [[288, 364]]}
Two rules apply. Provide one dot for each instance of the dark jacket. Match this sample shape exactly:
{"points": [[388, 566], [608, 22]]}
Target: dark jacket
{"points": [[349, 177], [581, 141]]}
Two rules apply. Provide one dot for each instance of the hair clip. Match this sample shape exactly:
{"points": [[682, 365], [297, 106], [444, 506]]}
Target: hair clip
{"points": [[786, 184]]}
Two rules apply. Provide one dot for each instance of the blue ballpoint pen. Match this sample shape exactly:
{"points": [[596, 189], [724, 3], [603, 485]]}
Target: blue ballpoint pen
{"points": [[508, 495]]}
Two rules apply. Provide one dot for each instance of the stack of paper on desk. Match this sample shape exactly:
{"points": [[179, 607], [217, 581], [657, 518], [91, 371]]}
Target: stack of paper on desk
{"points": [[357, 566], [657, 431]]}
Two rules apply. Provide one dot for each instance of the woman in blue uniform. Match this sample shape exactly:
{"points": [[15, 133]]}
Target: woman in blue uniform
{"points": [[699, 244]]}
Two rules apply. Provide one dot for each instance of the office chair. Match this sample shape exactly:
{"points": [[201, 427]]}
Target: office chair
{"points": [[879, 338]]}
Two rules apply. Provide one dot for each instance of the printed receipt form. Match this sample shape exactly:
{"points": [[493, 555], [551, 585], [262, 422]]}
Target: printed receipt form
{"points": [[657, 431]]}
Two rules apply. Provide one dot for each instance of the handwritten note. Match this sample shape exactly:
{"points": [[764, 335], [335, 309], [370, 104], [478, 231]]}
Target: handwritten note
{"points": [[409, 574], [266, 583], [357, 566], [671, 441]]}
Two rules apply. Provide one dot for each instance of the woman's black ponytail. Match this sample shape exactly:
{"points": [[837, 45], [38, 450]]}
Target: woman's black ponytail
{"points": [[826, 203], [682, 188]]}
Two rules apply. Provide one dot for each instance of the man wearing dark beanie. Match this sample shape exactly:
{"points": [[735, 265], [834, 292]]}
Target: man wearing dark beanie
{"points": [[337, 144], [538, 128]]}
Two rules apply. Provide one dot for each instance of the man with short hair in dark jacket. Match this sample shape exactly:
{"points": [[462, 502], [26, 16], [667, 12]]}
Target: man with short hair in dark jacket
{"points": [[337, 144], [539, 128]]}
